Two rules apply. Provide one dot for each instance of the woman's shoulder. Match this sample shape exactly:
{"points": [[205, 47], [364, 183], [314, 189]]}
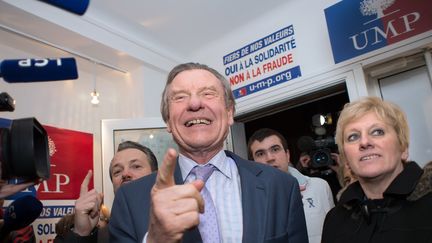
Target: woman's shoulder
{"points": [[423, 187]]}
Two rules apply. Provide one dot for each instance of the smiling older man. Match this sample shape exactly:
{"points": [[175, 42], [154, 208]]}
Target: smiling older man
{"points": [[249, 202]]}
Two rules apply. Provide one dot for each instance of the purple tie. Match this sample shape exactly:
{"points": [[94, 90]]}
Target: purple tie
{"points": [[208, 226]]}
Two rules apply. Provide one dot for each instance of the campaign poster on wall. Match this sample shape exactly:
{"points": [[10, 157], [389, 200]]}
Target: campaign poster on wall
{"points": [[71, 156], [263, 63], [361, 26]]}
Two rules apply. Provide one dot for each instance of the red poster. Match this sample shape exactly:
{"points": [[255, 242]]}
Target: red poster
{"points": [[71, 154]]}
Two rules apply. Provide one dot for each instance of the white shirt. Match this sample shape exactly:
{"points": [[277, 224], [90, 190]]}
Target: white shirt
{"points": [[225, 188], [317, 200]]}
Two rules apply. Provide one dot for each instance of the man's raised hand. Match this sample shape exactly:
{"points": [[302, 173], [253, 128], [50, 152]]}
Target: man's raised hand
{"points": [[175, 208], [87, 208]]}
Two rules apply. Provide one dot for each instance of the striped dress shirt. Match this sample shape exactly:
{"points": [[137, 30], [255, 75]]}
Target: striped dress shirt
{"points": [[225, 188]]}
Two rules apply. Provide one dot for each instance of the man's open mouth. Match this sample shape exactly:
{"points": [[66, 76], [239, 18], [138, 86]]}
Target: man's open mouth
{"points": [[197, 122]]}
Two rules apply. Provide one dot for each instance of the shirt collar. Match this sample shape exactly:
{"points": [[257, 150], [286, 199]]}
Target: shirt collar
{"points": [[406, 181], [219, 161], [301, 179]]}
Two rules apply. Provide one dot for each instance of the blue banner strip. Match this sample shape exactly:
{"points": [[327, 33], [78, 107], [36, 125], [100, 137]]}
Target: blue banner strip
{"points": [[56, 211], [268, 82]]}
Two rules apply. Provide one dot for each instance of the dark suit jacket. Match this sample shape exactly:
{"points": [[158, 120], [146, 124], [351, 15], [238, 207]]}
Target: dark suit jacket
{"points": [[272, 207]]}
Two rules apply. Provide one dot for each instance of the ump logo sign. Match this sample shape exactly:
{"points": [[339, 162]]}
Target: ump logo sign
{"points": [[357, 27]]}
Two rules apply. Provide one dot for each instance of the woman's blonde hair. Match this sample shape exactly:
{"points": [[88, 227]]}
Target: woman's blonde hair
{"points": [[388, 112]]}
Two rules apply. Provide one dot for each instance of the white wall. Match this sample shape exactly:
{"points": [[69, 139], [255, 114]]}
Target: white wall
{"points": [[84, 33], [310, 27], [313, 51], [313, 54], [66, 104]]}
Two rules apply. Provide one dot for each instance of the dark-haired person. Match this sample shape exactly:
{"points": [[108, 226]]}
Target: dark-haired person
{"points": [[387, 203], [131, 161], [268, 146]]}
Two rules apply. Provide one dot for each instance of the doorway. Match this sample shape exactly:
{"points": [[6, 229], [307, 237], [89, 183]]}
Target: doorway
{"points": [[293, 119]]}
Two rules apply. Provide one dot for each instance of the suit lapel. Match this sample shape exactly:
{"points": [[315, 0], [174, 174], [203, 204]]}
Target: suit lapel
{"points": [[193, 234], [254, 200], [177, 174]]}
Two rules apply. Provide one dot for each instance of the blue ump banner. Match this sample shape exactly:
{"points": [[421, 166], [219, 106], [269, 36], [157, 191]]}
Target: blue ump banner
{"points": [[357, 27]]}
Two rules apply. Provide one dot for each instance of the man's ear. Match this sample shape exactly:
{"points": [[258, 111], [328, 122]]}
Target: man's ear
{"points": [[288, 155], [230, 115], [168, 128]]}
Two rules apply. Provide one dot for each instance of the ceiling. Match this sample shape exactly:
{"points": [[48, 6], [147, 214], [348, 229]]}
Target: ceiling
{"points": [[180, 26], [172, 30]]}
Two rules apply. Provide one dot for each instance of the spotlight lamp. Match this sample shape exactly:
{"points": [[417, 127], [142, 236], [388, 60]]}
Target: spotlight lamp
{"points": [[321, 120], [95, 97]]}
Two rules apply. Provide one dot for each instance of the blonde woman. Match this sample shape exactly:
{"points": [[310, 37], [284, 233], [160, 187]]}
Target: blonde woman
{"points": [[373, 139]]}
